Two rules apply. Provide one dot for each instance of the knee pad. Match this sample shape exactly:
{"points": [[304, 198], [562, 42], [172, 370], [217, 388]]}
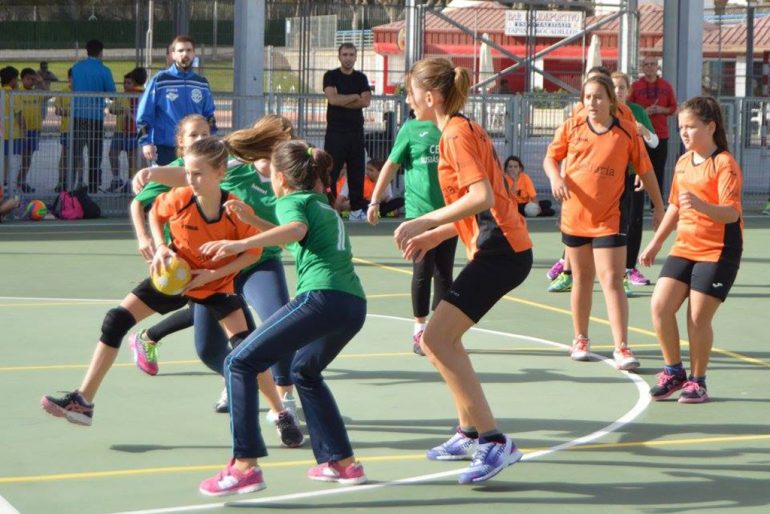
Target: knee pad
{"points": [[238, 339], [116, 325]]}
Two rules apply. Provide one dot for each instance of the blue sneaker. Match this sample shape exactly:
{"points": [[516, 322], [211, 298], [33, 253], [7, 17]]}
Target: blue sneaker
{"points": [[489, 459], [458, 447]]}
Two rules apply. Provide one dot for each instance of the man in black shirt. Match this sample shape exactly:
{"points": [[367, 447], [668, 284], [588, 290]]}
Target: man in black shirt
{"points": [[348, 92]]}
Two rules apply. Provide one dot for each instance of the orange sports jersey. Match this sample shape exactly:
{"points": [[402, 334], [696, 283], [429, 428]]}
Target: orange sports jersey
{"points": [[525, 189], [189, 230], [717, 180], [624, 112], [466, 156], [368, 186], [595, 173]]}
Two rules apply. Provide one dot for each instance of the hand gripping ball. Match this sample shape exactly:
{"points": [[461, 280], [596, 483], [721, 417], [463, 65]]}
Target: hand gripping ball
{"points": [[171, 280]]}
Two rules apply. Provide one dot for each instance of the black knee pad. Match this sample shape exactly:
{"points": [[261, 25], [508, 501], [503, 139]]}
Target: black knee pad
{"points": [[238, 339], [116, 325]]}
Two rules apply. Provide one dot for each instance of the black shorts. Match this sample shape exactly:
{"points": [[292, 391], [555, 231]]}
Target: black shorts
{"points": [[219, 304], [487, 278], [711, 278], [613, 241]]}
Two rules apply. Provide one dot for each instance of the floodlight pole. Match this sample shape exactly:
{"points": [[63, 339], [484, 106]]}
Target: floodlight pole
{"points": [[248, 62], [629, 39]]}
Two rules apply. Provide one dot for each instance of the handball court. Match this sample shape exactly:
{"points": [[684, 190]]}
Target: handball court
{"points": [[593, 440]]}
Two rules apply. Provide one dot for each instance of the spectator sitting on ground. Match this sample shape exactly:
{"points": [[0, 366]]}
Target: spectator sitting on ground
{"points": [[388, 204], [523, 189]]}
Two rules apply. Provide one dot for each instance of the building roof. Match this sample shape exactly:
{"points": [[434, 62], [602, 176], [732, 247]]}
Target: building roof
{"points": [[443, 37]]}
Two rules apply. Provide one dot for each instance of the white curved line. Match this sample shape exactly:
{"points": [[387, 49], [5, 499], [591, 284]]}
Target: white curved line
{"points": [[642, 402]]}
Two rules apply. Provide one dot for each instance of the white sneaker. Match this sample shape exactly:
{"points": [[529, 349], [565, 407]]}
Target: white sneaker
{"points": [[289, 404], [357, 216], [222, 406], [581, 347], [625, 359]]}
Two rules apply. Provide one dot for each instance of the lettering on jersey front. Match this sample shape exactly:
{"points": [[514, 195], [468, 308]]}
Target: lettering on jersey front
{"points": [[189, 227], [432, 158]]}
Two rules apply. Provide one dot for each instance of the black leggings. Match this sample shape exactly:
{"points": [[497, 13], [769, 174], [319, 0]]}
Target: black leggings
{"points": [[438, 263]]}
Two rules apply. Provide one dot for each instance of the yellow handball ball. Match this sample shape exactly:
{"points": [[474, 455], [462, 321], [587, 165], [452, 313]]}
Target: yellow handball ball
{"points": [[174, 278]]}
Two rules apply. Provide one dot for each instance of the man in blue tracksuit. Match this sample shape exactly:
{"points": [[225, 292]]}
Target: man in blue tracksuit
{"points": [[171, 95]]}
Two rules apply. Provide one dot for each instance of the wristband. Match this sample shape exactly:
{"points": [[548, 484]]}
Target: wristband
{"points": [[374, 204]]}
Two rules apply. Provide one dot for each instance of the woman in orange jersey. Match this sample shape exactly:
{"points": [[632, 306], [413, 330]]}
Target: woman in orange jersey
{"points": [[480, 210], [598, 147], [195, 214], [705, 210]]}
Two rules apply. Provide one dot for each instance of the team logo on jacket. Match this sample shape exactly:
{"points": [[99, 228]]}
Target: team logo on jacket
{"points": [[196, 95]]}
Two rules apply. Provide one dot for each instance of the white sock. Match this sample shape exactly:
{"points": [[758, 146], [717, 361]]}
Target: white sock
{"points": [[418, 327]]}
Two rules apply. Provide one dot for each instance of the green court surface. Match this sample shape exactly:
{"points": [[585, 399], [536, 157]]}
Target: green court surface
{"points": [[593, 440]]}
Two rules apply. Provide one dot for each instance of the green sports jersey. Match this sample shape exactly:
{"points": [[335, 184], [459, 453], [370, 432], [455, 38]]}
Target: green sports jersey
{"points": [[324, 257], [416, 149], [640, 115], [246, 183], [151, 191]]}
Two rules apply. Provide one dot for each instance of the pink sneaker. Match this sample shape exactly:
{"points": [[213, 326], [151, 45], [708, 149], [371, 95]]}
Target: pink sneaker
{"points": [[333, 472], [557, 268], [416, 348], [637, 278], [231, 481], [145, 353], [580, 349]]}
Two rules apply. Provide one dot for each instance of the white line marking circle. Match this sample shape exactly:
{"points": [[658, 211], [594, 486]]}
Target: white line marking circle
{"points": [[642, 402]]}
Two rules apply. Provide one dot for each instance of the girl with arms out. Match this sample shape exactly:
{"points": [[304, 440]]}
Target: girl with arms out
{"points": [[326, 313]]}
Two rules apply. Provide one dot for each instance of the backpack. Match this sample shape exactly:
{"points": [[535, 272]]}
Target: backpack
{"points": [[67, 207], [91, 209]]}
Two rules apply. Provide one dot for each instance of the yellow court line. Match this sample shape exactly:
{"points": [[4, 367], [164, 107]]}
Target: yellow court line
{"points": [[57, 304], [530, 303], [381, 458]]}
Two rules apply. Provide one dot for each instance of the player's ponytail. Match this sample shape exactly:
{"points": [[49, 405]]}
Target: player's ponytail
{"points": [[302, 165], [257, 142], [439, 74]]}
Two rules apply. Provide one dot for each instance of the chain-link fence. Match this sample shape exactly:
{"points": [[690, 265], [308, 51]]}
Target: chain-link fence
{"points": [[58, 153]]}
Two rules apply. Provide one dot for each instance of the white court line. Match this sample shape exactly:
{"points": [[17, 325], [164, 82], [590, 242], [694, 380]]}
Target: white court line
{"points": [[7, 508], [642, 402]]}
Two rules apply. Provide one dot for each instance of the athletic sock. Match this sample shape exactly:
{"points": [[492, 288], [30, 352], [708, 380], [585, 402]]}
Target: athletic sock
{"points": [[492, 436], [675, 370], [419, 327], [701, 381], [469, 432], [567, 272]]}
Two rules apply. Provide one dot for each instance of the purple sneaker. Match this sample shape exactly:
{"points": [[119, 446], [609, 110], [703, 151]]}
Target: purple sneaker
{"points": [[231, 481], [637, 278], [555, 270], [145, 353], [693, 392], [489, 459]]}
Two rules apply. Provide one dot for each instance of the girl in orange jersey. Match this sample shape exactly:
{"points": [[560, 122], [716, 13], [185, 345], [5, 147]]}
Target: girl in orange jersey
{"points": [[195, 214], [598, 147], [705, 209], [480, 210]]}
